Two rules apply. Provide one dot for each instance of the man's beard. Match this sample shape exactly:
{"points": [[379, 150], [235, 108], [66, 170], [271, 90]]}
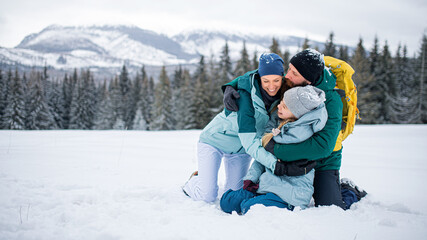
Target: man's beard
{"points": [[290, 84]]}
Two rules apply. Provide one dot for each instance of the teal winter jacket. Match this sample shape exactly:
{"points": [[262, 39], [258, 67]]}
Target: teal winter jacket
{"points": [[241, 131]]}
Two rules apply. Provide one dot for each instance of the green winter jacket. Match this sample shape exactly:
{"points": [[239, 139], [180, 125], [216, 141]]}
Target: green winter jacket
{"points": [[320, 146]]}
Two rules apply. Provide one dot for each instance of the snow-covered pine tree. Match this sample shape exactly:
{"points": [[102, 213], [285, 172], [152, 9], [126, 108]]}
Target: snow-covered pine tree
{"points": [[5, 88], [275, 47], [421, 70], [286, 58], [201, 99], [404, 102], [83, 108], [243, 64], [147, 97], [213, 86], [116, 102], [14, 114], [225, 67], [136, 93], [38, 115], [343, 53], [104, 117], [187, 103], [162, 109], [3, 95], [330, 47], [125, 89], [68, 86], [365, 83], [178, 106], [384, 80], [255, 62], [306, 43], [56, 104]]}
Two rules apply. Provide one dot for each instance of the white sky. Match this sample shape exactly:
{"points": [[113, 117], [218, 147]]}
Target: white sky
{"points": [[397, 21]]}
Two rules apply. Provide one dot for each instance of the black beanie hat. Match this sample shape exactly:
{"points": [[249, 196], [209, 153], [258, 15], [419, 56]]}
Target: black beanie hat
{"points": [[310, 64]]}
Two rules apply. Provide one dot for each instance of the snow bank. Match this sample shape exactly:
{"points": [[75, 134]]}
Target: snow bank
{"points": [[127, 185]]}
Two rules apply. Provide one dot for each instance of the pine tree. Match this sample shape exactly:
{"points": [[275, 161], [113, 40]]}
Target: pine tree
{"points": [[115, 96], [330, 47], [14, 114], [213, 85], [343, 53], [255, 62], [374, 58], [364, 83], [56, 104], [147, 97], [243, 64], [306, 44], [84, 107], [187, 118], [125, 88], [202, 98], [384, 80], [3, 95], [404, 100], [5, 89], [68, 86], [105, 116], [275, 47], [38, 114], [225, 68], [286, 59], [421, 70], [162, 109]]}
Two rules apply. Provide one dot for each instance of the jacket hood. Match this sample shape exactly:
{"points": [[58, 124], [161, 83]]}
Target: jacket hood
{"points": [[327, 80]]}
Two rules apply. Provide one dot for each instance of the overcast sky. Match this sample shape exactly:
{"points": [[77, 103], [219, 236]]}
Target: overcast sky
{"points": [[397, 21]]}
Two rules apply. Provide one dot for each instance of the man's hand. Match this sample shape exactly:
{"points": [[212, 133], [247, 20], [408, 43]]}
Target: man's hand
{"points": [[230, 99], [295, 168]]}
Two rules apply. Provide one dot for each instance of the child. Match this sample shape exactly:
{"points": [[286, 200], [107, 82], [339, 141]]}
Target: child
{"points": [[300, 114]]}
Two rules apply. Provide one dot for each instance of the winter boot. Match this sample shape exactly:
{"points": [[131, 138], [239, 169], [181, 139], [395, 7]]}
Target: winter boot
{"points": [[195, 173], [347, 183]]}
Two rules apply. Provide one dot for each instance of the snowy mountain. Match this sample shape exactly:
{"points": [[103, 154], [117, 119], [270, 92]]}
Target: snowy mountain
{"points": [[102, 47]]}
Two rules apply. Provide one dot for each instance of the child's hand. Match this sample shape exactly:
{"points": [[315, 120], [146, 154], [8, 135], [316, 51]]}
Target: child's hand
{"points": [[275, 131]]}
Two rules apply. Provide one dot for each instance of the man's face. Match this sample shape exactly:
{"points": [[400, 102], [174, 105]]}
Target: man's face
{"points": [[294, 78]]}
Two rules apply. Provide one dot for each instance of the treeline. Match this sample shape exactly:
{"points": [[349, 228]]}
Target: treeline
{"points": [[391, 89]]}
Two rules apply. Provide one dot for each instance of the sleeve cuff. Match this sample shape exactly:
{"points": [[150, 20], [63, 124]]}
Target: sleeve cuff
{"points": [[270, 146]]}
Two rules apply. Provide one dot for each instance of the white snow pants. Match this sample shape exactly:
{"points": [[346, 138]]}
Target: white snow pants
{"points": [[204, 187]]}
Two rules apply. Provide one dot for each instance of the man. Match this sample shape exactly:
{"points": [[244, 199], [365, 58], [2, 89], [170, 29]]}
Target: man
{"points": [[308, 68]]}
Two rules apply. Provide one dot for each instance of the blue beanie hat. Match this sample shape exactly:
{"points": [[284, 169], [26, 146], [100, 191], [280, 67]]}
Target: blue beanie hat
{"points": [[270, 64]]}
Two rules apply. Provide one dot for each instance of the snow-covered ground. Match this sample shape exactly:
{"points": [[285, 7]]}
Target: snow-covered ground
{"points": [[127, 185]]}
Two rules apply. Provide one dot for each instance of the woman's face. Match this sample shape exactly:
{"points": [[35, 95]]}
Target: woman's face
{"points": [[283, 111], [271, 84]]}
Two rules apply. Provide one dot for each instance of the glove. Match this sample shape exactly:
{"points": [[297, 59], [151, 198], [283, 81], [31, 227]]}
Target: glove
{"points": [[230, 96], [250, 186], [270, 146], [295, 168]]}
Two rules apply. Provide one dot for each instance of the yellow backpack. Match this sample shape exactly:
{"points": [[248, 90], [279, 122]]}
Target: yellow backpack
{"points": [[348, 92]]}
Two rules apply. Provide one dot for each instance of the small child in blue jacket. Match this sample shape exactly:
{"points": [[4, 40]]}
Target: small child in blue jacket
{"points": [[300, 114]]}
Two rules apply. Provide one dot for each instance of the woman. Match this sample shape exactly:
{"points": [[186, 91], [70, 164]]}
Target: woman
{"points": [[235, 136]]}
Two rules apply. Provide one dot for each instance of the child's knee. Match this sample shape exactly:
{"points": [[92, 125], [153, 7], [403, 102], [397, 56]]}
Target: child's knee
{"points": [[231, 200]]}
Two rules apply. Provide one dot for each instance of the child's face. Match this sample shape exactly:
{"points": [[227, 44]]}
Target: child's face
{"points": [[283, 111]]}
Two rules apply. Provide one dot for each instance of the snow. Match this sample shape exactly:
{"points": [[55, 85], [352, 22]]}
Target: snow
{"points": [[127, 185]]}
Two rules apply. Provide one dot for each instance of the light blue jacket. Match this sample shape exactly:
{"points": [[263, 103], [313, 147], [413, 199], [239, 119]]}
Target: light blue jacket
{"points": [[241, 131], [296, 191]]}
